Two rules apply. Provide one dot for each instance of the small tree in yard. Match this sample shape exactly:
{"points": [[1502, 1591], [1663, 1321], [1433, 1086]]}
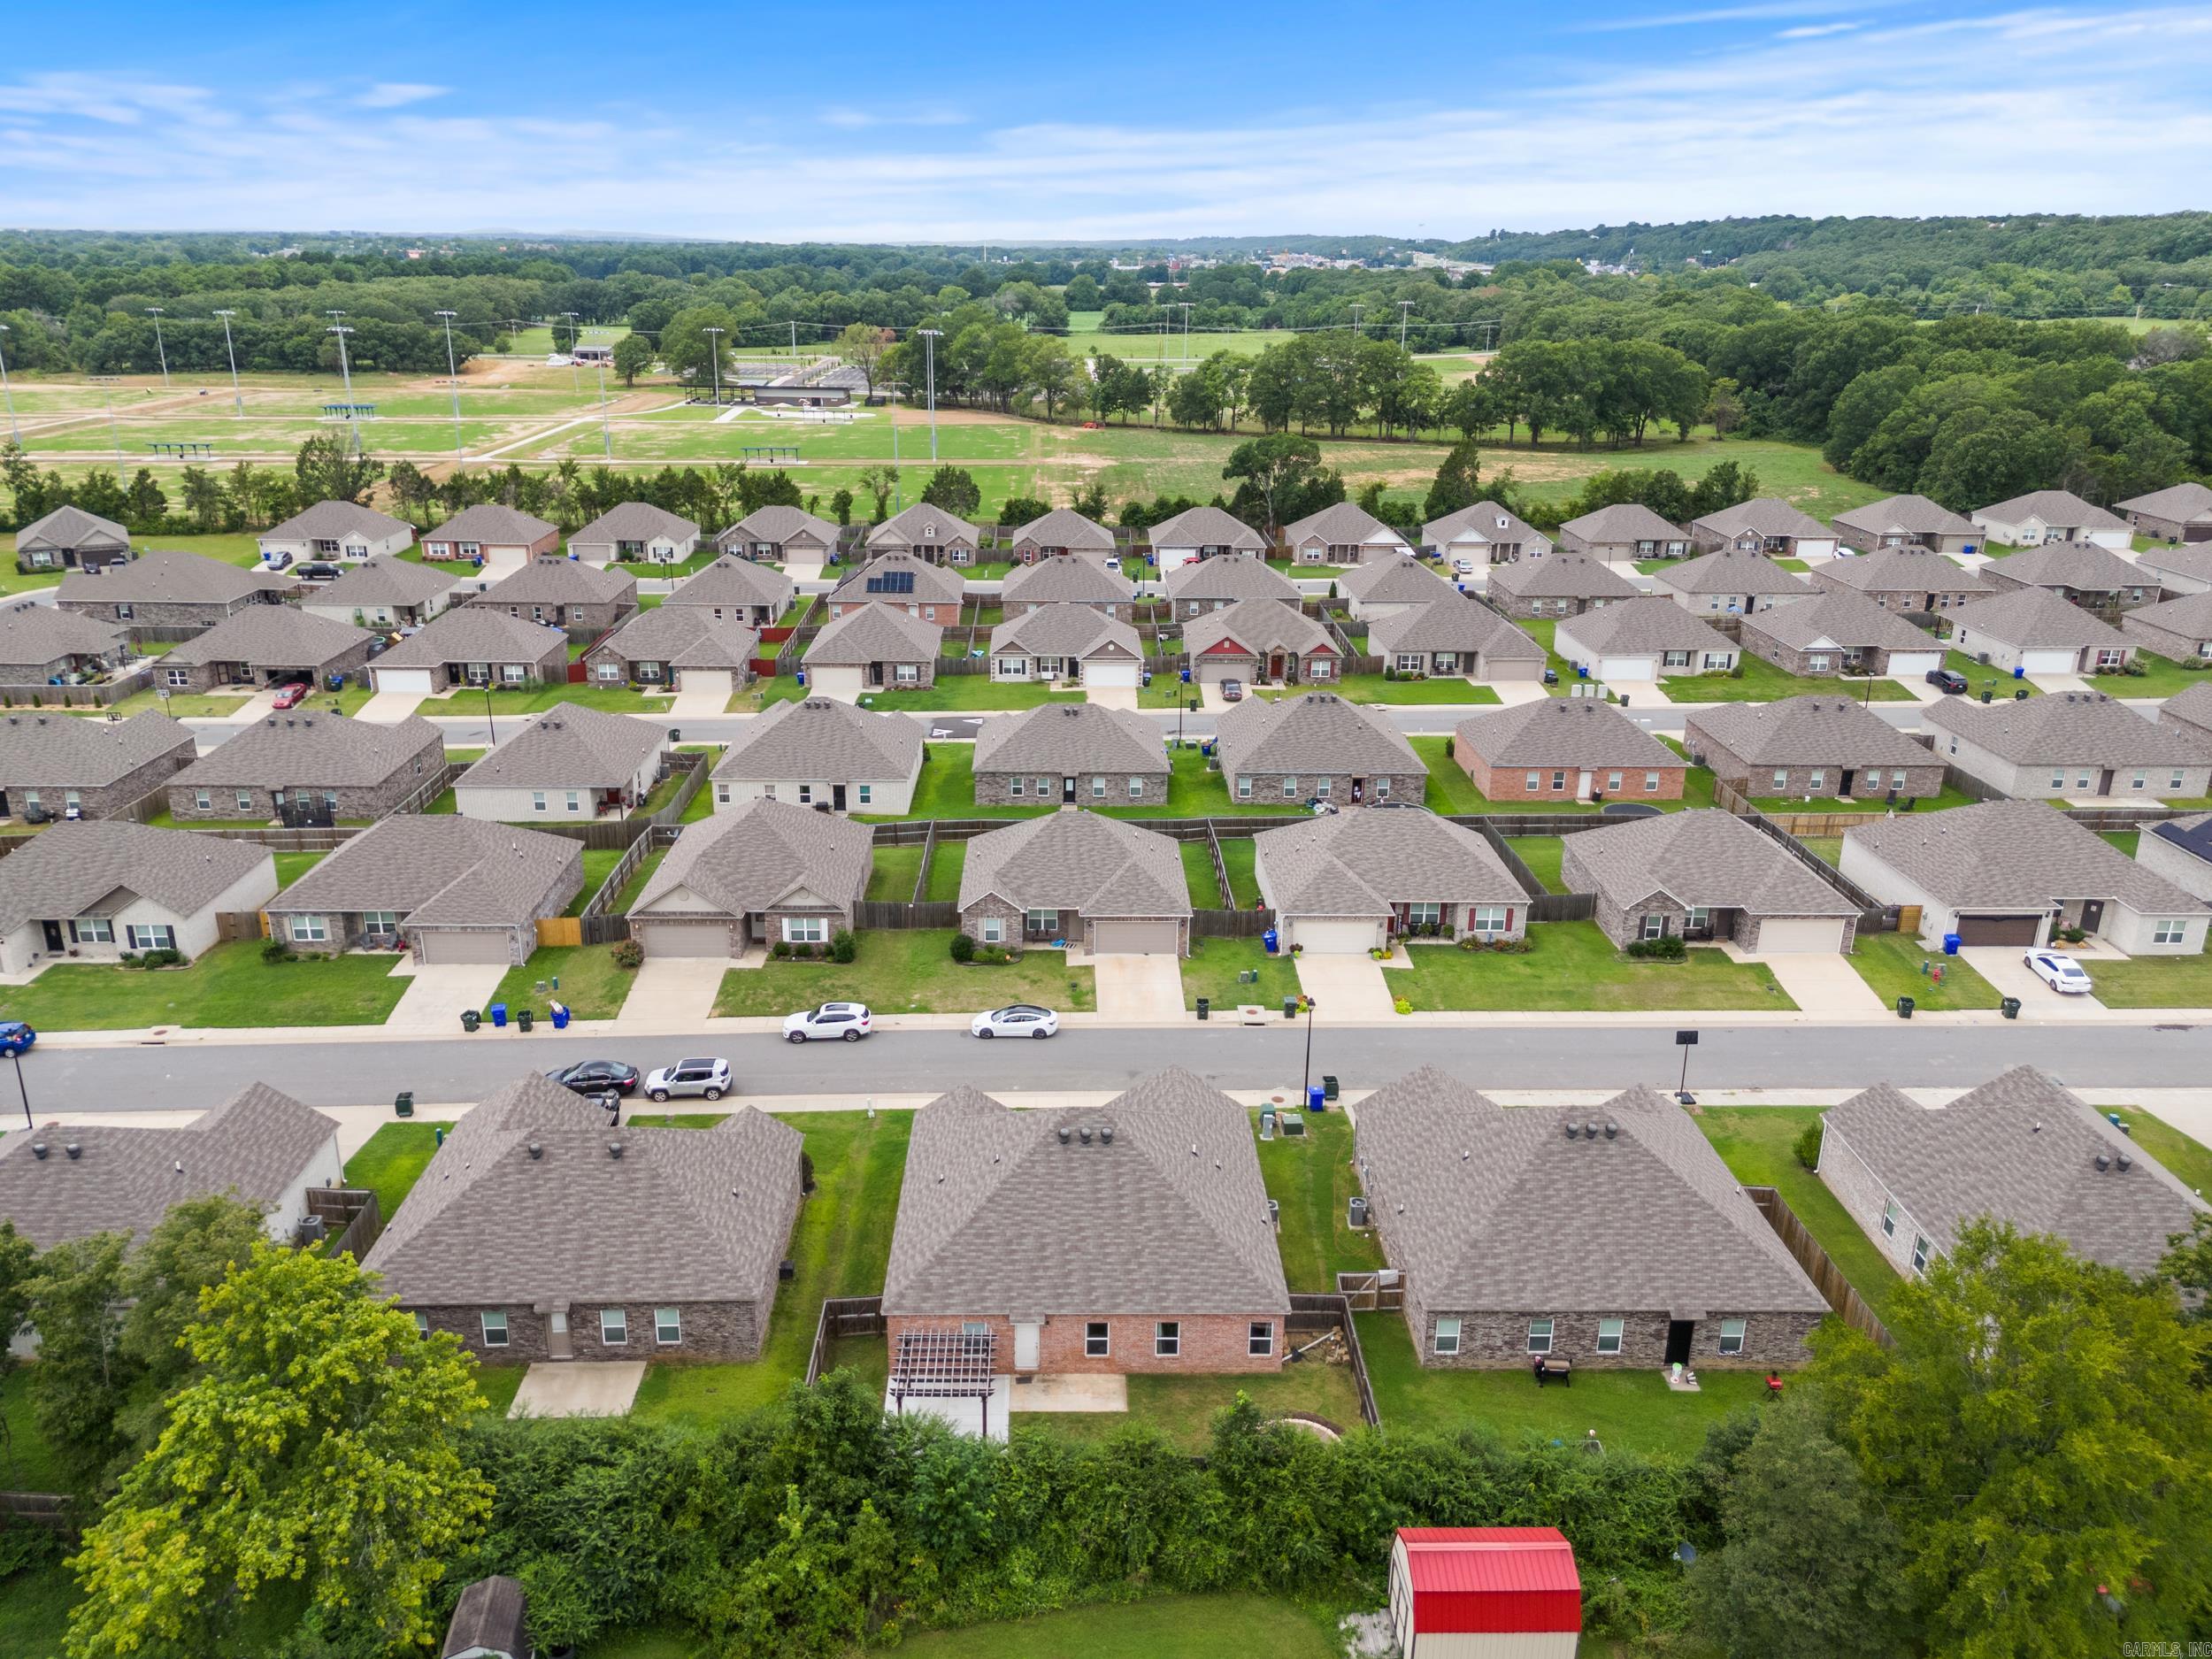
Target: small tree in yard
{"points": [[962, 948]]}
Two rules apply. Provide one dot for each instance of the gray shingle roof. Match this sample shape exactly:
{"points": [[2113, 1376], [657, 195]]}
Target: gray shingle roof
{"points": [[2066, 728], [1345, 523], [1705, 859], [1071, 581], [1072, 738], [2058, 508], [270, 636], [1319, 733], [2180, 501], [1569, 732], [384, 582], [777, 524], [1562, 576], [490, 525], [1765, 515], [488, 1619], [1485, 520], [1813, 730], [733, 581], [687, 636], [2081, 566], [1205, 526], [997, 1215], [1063, 527], [2193, 835], [1848, 621], [1729, 572], [73, 866], [822, 738], [1904, 570], [2016, 855], [932, 582], [69, 526], [1646, 625], [570, 746], [1910, 515], [2190, 615], [1395, 581], [334, 521], [163, 577], [439, 870], [1360, 863], [874, 633], [1487, 1208], [1624, 521], [1078, 861], [635, 521], [1230, 576], [2189, 711], [922, 525], [43, 633], [1067, 631], [1258, 626], [763, 854], [1453, 623], [560, 582], [63, 751], [125, 1178], [2024, 1150], [475, 633], [683, 1215], [320, 751]]}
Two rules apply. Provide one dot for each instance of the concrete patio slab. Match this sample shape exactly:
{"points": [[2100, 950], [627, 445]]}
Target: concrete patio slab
{"points": [[1138, 988], [578, 1388], [1345, 987]]}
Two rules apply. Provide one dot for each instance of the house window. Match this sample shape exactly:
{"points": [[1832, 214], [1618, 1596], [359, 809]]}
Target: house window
{"points": [[1014, 789], [1244, 788], [1654, 927], [1897, 778], [1290, 789], [908, 673], [200, 800], [2167, 930], [805, 930], [1260, 1341], [1486, 919], [177, 676], [1719, 659], [1424, 913], [1318, 669], [513, 673], [668, 1326], [1612, 782], [1408, 662], [2139, 780], [1558, 781], [311, 930], [611, 672], [1136, 788], [722, 794], [537, 800], [1817, 782], [1533, 782], [1610, 1335], [1697, 917], [1321, 790], [1043, 921], [379, 921], [1817, 665], [98, 930], [1097, 1339], [1731, 1335], [614, 1326], [575, 801], [1920, 1251], [1540, 1336], [1675, 659], [422, 1324], [1781, 781], [2174, 783], [2058, 778], [806, 794], [123, 613], [1382, 788], [1651, 783], [1098, 788], [1889, 1219], [1167, 1339], [495, 1329], [1446, 1337], [152, 936], [993, 930], [2083, 782], [867, 794]]}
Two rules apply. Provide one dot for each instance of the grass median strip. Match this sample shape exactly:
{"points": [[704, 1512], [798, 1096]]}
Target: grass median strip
{"points": [[907, 972]]}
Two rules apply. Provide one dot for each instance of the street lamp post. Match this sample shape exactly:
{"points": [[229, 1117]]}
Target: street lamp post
{"points": [[491, 724], [1405, 309], [14, 430], [453, 377], [898, 495], [161, 351], [16, 1055], [237, 397], [606, 438], [930, 337], [714, 336], [1305, 1081]]}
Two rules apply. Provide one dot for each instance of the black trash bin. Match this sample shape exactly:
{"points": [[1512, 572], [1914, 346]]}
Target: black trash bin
{"points": [[2009, 1008], [470, 1019], [404, 1104], [526, 1018], [1205, 1006], [1290, 1007], [1328, 1085], [1905, 1006]]}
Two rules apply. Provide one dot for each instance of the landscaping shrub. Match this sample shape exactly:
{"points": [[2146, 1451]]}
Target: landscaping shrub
{"points": [[628, 954], [780, 950], [1403, 1006], [2072, 935], [1667, 949], [1447, 746], [962, 948], [1807, 1146], [992, 956], [278, 951], [843, 946]]}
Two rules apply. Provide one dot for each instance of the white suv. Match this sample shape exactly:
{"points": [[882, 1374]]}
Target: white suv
{"points": [[708, 1079], [848, 1021]]}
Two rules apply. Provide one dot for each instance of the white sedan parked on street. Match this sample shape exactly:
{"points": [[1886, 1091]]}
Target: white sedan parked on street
{"points": [[830, 1022], [1017, 1019], [2062, 974]]}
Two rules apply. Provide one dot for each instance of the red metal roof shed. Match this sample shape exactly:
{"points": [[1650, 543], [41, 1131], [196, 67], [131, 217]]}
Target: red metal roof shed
{"points": [[1491, 1580]]}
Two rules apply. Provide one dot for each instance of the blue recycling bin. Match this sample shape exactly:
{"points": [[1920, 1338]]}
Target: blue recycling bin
{"points": [[499, 1014], [1317, 1098], [1951, 944], [560, 1016], [799, 675], [2018, 671], [1268, 939]]}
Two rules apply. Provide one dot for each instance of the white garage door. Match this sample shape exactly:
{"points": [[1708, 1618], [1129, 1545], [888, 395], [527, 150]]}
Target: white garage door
{"points": [[1629, 668], [1135, 938], [682, 938], [1912, 665], [411, 681], [839, 683], [2048, 662], [715, 680], [1799, 935], [484, 945], [1111, 674], [1336, 936]]}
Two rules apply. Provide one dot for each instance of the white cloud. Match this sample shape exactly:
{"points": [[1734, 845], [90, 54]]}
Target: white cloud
{"points": [[1814, 31], [391, 94]]}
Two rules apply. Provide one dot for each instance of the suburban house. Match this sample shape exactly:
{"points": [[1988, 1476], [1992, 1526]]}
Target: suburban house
{"points": [[1768, 525], [1564, 585], [585, 599], [333, 530], [928, 592], [96, 889], [1706, 875], [1104, 884], [1071, 754], [491, 1620], [1483, 537], [1905, 521], [1070, 581], [1383, 587], [2177, 569], [735, 591], [1260, 640], [1565, 749], [470, 645], [763, 872], [1341, 534], [100, 767], [42, 646], [2179, 849], [1728, 583], [2083, 572], [2178, 629], [1068, 642], [2182, 513], [2039, 632], [1201, 534], [2020, 1149], [1811, 746], [168, 590], [1642, 639], [2043, 516], [266, 645], [1455, 635], [486, 532], [71, 539], [1199, 586], [384, 593], [1317, 748], [1131, 1238], [1060, 531], [680, 647], [313, 768], [2005, 873], [1904, 578], [56, 1184], [2070, 745], [1623, 534], [2189, 712], [538, 1234], [928, 534], [452, 888], [635, 532], [821, 751], [872, 647], [572, 763], [1836, 632], [1602, 1237], [780, 536], [1352, 882]]}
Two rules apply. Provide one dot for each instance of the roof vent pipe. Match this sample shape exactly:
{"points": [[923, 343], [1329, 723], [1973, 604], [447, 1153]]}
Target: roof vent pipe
{"points": [[1065, 1135], [1086, 1133], [73, 1151], [1106, 1134], [38, 1149], [1612, 1130], [536, 1151], [614, 1148], [2125, 1162], [1571, 1130], [2104, 1161]]}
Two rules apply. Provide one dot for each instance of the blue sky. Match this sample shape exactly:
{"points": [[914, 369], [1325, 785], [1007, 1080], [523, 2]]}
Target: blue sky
{"points": [[961, 121]]}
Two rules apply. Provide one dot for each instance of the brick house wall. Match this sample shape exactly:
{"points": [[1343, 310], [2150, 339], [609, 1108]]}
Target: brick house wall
{"points": [[766, 926], [1510, 783], [1792, 659], [1498, 1341], [108, 800], [369, 801], [1873, 542], [1730, 768], [626, 668], [198, 613], [2179, 648], [550, 670], [2105, 601], [1515, 605], [711, 1331], [1863, 1196], [352, 663], [1123, 612], [1210, 1344], [1009, 916], [592, 619], [996, 788], [944, 612], [1404, 786]]}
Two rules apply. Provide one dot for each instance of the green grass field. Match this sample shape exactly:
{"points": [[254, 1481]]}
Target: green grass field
{"points": [[1160, 1627], [230, 986], [590, 984], [391, 1161], [1762, 681], [1310, 1177], [906, 972], [1890, 964], [1212, 971], [1570, 965], [2153, 982], [1541, 854], [1183, 1408]]}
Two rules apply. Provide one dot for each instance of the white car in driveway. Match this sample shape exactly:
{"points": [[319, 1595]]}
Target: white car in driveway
{"points": [[1016, 1019], [2061, 973], [832, 1022]]}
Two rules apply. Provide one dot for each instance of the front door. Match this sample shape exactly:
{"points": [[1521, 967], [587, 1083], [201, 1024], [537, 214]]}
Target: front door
{"points": [[837, 796], [557, 1345], [1067, 789], [1359, 790], [2091, 913], [1678, 1334], [1843, 784], [53, 935], [1026, 1342], [2104, 782]]}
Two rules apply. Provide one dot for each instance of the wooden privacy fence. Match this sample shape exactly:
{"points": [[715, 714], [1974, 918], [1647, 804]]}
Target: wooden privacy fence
{"points": [[1313, 1316], [1366, 1292], [101, 695], [1229, 923], [1819, 1266], [231, 925], [843, 1315], [597, 924], [349, 1214], [55, 1511], [889, 913]]}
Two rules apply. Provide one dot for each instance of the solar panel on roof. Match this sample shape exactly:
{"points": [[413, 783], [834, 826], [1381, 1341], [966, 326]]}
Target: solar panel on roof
{"points": [[892, 582]]}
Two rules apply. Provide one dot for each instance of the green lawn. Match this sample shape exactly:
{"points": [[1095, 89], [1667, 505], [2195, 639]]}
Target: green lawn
{"points": [[1198, 875], [391, 1161], [469, 701], [2138, 982], [702, 803], [1541, 854], [498, 1384], [1310, 1177], [230, 986], [591, 985], [2190, 1161], [1451, 790], [2162, 677], [1375, 689], [1239, 855], [969, 691], [1942, 801], [291, 866], [1160, 1627], [2122, 841], [1827, 849], [948, 863], [635, 885], [1183, 1408], [1211, 968], [1570, 966], [1762, 681], [893, 873], [906, 972], [946, 789], [599, 862], [1890, 964], [27, 1459], [38, 1602], [1542, 630], [1980, 678]]}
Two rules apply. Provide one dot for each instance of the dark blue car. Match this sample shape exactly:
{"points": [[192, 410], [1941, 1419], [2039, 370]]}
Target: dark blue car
{"points": [[15, 1037]]}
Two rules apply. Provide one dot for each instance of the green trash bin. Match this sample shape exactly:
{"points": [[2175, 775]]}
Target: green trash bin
{"points": [[1905, 1006], [404, 1105], [1328, 1086], [1205, 1007], [2009, 1008], [1290, 1007], [526, 1018]]}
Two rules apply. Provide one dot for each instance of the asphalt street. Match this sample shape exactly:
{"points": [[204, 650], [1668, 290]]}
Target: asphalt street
{"points": [[1584, 1058]]}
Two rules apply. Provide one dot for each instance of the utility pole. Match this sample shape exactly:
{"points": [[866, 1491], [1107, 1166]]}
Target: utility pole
{"points": [[932, 336], [575, 375], [16, 1055], [453, 376], [154, 311], [1404, 308], [345, 367], [1357, 310], [606, 438], [714, 338], [106, 383], [898, 493], [237, 397], [14, 430]]}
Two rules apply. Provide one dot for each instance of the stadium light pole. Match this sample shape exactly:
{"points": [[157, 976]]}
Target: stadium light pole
{"points": [[237, 397], [929, 349], [345, 367], [575, 375], [1405, 309], [453, 377], [160, 350], [898, 495], [606, 438], [714, 339], [15, 431]]}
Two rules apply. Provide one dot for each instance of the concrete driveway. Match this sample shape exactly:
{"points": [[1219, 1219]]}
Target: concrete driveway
{"points": [[675, 991], [389, 708], [1140, 987], [697, 705], [440, 991], [1823, 982], [1516, 691], [2053, 684], [2002, 967], [1111, 696], [1345, 987], [578, 1388]]}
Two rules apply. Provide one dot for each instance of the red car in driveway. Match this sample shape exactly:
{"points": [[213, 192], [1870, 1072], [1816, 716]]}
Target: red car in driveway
{"points": [[291, 694]]}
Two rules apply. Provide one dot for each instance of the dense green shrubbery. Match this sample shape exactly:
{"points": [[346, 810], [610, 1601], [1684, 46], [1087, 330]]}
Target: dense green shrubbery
{"points": [[1666, 948]]}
